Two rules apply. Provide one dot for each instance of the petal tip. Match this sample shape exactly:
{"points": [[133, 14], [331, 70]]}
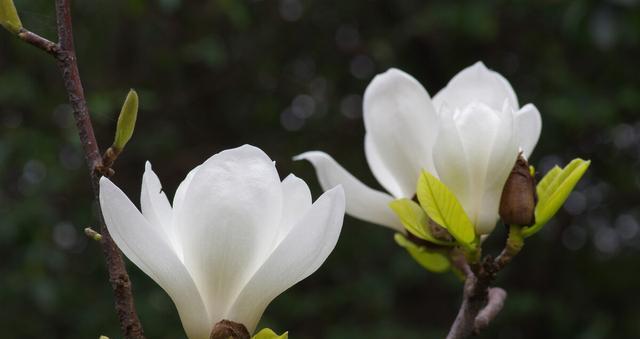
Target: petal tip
{"points": [[309, 156], [104, 181], [480, 65]]}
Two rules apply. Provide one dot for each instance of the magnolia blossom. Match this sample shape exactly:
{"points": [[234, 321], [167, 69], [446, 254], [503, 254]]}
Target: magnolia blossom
{"points": [[235, 238], [468, 135]]}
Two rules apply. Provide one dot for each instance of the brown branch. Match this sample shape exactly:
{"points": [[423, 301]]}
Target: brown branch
{"points": [[39, 42], [65, 54], [480, 303], [495, 302], [118, 277]]}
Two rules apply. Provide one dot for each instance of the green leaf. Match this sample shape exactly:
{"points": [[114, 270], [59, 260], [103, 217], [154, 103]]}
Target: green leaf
{"points": [[415, 220], [126, 120], [431, 260], [9, 18], [542, 189], [443, 207], [553, 190], [267, 333]]}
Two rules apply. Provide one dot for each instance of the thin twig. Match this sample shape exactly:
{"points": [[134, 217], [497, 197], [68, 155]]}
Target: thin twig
{"points": [[118, 277], [65, 54], [39, 42]]}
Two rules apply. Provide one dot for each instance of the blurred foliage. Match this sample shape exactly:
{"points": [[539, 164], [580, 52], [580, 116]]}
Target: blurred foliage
{"points": [[288, 76]]}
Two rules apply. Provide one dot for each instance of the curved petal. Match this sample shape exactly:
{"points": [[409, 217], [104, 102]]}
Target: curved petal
{"points": [[155, 205], [229, 222], [379, 168], [296, 200], [490, 148], [148, 250], [402, 124], [178, 198], [476, 83], [363, 202], [528, 125], [501, 161], [451, 160], [301, 253]]}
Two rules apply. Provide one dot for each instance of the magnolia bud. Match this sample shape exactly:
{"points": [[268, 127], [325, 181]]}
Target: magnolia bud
{"points": [[518, 201], [226, 329]]}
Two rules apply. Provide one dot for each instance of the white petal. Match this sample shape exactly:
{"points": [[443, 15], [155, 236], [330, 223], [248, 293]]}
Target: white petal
{"points": [[229, 222], [501, 161], [476, 83], [528, 126], [178, 198], [296, 201], [402, 124], [478, 126], [379, 168], [363, 202], [155, 205], [147, 249], [451, 160], [301, 253], [491, 150]]}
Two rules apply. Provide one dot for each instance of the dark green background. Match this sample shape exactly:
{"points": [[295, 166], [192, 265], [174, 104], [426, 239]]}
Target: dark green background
{"points": [[219, 73]]}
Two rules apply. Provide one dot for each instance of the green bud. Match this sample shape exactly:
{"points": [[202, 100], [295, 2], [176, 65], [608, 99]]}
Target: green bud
{"points": [[89, 232], [126, 121], [103, 337], [9, 18]]}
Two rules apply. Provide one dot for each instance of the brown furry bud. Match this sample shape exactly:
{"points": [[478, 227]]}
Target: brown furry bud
{"points": [[518, 201], [226, 329]]}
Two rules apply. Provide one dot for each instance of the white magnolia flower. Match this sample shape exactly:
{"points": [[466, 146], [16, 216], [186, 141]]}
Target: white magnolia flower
{"points": [[468, 135], [235, 238]]}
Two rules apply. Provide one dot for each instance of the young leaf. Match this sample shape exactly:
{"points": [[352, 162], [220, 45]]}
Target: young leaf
{"points": [[9, 18], [543, 186], [415, 220], [431, 260], [267, 333], [443, 207], [553, 190]]}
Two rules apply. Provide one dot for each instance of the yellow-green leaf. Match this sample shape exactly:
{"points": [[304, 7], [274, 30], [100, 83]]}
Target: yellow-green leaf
{"points": [[542, 189], [553, 190], [415, 220], [431, 260], [9, 18], [443, 207], [126, 120], [267, 333]]}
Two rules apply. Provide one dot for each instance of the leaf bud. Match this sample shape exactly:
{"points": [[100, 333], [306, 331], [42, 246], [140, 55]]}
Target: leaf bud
{"points": [[126, 121]]}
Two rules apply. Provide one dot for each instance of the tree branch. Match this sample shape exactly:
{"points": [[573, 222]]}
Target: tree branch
{"points": [[39, 42], [118, 277], [480, 303], [495, 302], [65, 54]]}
